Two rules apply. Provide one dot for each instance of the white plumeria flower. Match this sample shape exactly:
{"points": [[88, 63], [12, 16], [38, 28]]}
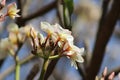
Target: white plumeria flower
{"points": [[13, 28], [57, 32], [13, 38], [64, 34], [12, 10], [6, 45], [48, 28], [75, 54], [25, 30]]}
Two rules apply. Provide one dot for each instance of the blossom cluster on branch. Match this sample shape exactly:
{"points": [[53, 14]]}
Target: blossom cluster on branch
{"points": [[57, 43], [16, 36], [11, 10]]}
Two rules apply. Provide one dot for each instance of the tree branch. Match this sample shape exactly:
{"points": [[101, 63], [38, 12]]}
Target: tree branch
{"points": [[50, 68], [35, 69], [41, 11], [21, 21], [102, 39]]}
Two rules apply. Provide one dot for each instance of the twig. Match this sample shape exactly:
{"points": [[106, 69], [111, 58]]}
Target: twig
{"points": [[102, 39]]}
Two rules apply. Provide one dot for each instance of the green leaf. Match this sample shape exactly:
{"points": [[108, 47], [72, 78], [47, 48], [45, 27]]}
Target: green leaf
{"points": [[67, 12], [69, 5]]}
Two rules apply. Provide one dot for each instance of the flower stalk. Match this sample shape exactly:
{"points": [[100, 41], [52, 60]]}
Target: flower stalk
{"points": [[17, 71], [17, 68], [44, 68]]}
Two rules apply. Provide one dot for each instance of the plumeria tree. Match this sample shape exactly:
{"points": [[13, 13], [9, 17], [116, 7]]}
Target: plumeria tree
{"points": [[51, 42]]}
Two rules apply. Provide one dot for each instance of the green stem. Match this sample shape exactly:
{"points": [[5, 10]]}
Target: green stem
{"points": [[44, 68], [17, 68], [17, 71], [17, 65], [54, 57]]}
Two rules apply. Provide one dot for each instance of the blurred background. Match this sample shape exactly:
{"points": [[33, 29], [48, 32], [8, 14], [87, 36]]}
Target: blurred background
{"points": [[85, 22]]}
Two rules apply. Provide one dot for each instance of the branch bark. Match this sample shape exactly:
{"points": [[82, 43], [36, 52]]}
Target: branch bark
{"points": [[50, 68], [41, 11], [103, 36], [21, 21]]}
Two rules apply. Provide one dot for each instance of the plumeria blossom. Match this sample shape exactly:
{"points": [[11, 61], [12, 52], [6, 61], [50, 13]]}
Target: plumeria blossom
{"points": [[6, 46], [17, 34], [49, 29], [8, 10], [57, 32], [63, 38], [12, 10], [75, 54]]}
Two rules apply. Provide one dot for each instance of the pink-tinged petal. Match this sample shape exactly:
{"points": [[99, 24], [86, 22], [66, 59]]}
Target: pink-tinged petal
{"points": [[12, 10], [3, 2], [111, 76], [12, 5], [105, 72]]}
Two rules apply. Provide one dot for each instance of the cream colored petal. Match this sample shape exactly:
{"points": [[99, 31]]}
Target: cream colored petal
{"points": [[47, 27], [79, 59], [13, 28], [13, 38], [73, 63]]}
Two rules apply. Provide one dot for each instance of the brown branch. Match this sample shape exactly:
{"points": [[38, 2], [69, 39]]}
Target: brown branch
{"points": [[102, 39], [104, 12], [21, 21], [41, 11], [19, 4], [35, 69], [50, 68]]}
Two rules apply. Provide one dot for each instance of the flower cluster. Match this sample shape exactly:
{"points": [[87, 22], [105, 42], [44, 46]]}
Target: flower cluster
{"points": [[15, 38], [11, 10], [57, 43]]}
